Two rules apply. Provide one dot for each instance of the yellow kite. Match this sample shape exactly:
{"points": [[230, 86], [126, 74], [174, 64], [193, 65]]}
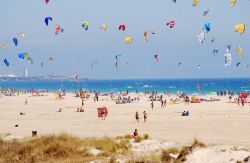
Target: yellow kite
{"points": [[240, 28], [233, 2], [195, 2], [4, 46], [240, 52], [128, 40], [104, 27]]}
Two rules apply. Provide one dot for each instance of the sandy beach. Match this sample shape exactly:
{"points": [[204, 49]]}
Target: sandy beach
{"points": [[215, 123]]}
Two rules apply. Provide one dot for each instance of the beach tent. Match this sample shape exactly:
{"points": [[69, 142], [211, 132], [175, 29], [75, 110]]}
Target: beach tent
{"points": [[100, 110], [243, 95]]}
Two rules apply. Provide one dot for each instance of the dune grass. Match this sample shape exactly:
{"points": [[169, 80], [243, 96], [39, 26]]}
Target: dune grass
{"points": [[65, 148], [61, 148]]}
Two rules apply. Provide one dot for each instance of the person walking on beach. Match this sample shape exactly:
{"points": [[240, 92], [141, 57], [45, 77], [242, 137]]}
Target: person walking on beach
{"points": [[145, 116], [230, 98], [242, 103], [152, 105], [82, 102], [137, 117], [187, 100], [96, 97], [238, 102], [26, 101], [103, 114], [165, 103]]}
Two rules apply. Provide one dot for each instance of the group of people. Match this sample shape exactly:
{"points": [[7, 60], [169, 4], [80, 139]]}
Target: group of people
{"points": [[185, 113], [240, 102], [137, 117], [80, 110], [224, 93], [128, 99]]}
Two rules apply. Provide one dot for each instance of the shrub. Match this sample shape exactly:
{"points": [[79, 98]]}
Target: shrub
{"points": [[146, 136]]}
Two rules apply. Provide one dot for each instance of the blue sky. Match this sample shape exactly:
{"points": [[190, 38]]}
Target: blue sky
{"points": [[75, 49]]}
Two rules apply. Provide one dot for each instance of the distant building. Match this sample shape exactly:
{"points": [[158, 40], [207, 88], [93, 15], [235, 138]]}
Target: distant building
{"points": [[26, 72]]}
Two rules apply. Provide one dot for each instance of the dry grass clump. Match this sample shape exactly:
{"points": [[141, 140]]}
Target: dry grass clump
{"points": [[173, 150], [125, 137], [188, 150], [138, 139], [247, 159], [152, 158], [59, 149], [165, 154], [145, 136]]}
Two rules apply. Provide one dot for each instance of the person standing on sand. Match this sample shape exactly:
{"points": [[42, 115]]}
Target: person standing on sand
{"points": [[230, 98], [137, 117], [165, 103], [103, 114], [145, 116], [242, 103], [152, 105], [187, 100], [135, 135], [96, 98], [162, 103], [26, 101], [82, 102]]}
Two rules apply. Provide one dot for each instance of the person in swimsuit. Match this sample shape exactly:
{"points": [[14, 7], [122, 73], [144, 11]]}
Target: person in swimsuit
{"points": [[152, 105], [103, 114], [135, 135], [145, 116], [137, 117]]}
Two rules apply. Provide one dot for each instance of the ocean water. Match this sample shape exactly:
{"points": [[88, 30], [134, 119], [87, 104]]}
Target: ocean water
{"points": [[202, 86]]}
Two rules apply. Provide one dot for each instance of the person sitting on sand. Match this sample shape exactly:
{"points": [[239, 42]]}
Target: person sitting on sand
{"points": [[135, 135], [137, 117], [59, 110], [22, 113], [185, 113], [145, 115], [81, 110], [78, 110]]}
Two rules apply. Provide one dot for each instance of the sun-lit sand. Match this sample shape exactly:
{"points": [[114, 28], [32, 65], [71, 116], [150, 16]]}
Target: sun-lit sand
{"points": [[215, 123]]}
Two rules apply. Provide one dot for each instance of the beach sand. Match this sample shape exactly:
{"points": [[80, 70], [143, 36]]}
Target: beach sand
{"points": [[215, 123]]}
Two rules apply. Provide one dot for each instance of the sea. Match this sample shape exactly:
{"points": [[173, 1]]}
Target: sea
{"points": [[200, 86]]}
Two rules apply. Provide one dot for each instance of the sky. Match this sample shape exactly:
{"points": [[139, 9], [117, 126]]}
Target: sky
{"points": [[75, 49]]}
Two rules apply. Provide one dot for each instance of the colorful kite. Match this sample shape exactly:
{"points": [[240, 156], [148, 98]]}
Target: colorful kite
{"points": [[171, 24]]}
